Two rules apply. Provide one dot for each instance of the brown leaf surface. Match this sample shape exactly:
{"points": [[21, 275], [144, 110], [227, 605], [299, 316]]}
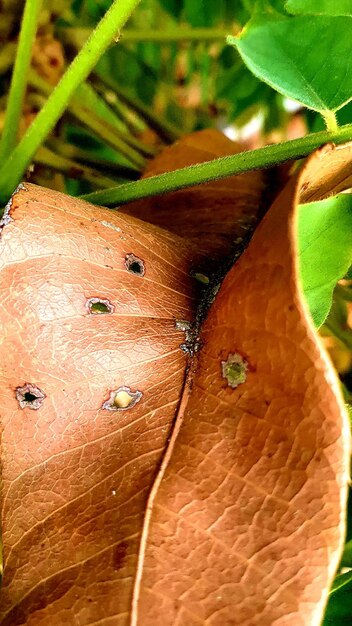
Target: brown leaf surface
{"points": [[244, 521], [75, 477], [213, 216], [248, 521], [332, 174]]}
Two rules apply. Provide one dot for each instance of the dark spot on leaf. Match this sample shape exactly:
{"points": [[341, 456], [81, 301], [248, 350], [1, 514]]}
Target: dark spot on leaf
{"points": [[119, 555], [98, 306], [30, 396], [134, 265], [122, 399]]}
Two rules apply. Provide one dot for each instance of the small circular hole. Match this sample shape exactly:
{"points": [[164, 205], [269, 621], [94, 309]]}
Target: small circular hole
{"points": [[98, 306], [134, 265], [29, 397]]}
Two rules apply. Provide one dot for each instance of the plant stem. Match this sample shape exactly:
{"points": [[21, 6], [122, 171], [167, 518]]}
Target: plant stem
{"points": [[109, 168], [70, 168], [76, 36], [135, 126], [108, 133], [164, 129], [114, 19], [219, 168], [19, 77], [106, 127], [330, 120]]}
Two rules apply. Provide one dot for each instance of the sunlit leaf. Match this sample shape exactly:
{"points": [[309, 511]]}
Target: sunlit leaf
{"points": [[295, 55], [319, 7], [247, 514], [95, 332], [325, 245], [76, 469]]}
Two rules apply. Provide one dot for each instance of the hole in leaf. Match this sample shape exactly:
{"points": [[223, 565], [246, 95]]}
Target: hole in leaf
{"points": [[234, 369], [98, 306], [30, 396], [122, 399], [134, 265]]}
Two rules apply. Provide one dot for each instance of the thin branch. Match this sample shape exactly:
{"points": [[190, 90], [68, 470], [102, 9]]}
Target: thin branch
{"points": [[219, 168], [76, 36], [114, 19], [19, 77]]}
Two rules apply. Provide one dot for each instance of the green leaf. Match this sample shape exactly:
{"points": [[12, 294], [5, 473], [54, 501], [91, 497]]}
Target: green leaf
{"points": [[306, 58], [173, 7], [346, 560], [341, 581], [325, 250], [203, 13], [339, 608], [319, 7]]}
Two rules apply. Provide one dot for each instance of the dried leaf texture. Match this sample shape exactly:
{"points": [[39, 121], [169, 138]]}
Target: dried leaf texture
{"points": [[215, 216], [332, 174], [247, 525], [88, 305]]}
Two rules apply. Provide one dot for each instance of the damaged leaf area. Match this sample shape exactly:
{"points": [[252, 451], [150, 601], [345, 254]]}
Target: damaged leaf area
{"points": [[215, 218], [187, 461], [247, 523], [105, 376]]}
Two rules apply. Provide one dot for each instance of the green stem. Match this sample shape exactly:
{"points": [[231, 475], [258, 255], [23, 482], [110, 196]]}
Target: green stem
{"points": [[70, 168], [330, 120], [19, 77], [109, 168], [164, 129], [114, 19], [108, 133], [219, 168], [107, 128], [76, 36], [134, 125]]}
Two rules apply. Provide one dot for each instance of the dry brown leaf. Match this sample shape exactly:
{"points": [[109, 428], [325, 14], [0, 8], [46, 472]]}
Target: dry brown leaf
{"points": [[76, 476], [245, 521], [332, 173], [215, 216], [248, 512]]}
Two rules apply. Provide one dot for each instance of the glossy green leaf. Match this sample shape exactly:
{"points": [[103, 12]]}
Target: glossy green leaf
{"points": [[325, 250], [319, 7], [307, 58], [339, 609]]}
